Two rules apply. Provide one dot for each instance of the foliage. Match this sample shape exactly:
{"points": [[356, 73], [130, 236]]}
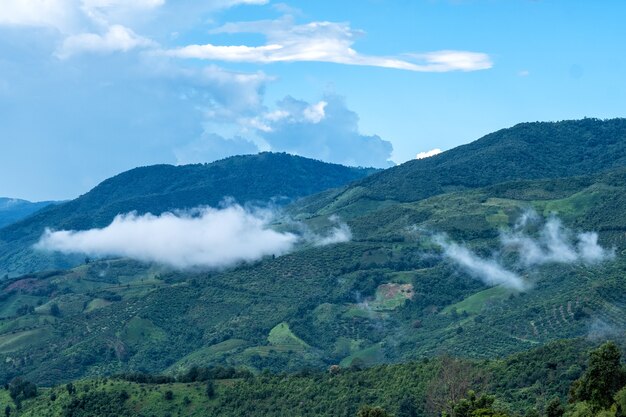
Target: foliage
{"points": [[604, 376]]}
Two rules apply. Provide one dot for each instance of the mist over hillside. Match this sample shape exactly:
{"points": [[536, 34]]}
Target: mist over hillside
{"points": [[263, 179], [341, 277]]}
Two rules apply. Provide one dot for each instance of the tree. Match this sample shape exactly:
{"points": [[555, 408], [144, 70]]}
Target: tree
{"points": [[70, 388], [7, 410], [55, 310], [168, 395], [368, 411], [554, 408], [210, 389], [407, 408], [475, 406], [451, 384], [602, 379], [20, 389]]}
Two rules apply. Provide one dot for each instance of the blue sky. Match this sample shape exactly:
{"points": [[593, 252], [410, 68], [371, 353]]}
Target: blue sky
{"points": [[90, 88]]}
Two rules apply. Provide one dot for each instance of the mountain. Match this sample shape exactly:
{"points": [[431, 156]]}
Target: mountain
{"points": [[393, 293], [155, 189], [13, 209], [386, 296], [525, 151]]}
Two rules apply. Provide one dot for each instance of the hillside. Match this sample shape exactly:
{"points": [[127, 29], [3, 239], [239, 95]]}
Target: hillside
{"points": [[525, 151], [387, 296], [156, 189], [12, 209]]}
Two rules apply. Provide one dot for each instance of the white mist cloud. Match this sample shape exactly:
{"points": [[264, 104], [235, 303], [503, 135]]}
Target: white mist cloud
{"points": [[428, 154], [204, 238], [487, 270], [554, 243], [338, 234]]}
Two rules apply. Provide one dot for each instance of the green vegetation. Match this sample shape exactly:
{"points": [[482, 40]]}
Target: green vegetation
{"points": [[387, 296], [537, 381], [331, 330]]}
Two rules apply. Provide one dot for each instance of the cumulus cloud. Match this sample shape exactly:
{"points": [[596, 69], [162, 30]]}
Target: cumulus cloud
{"points": [[490, 271], [554, 243], [200, 238], [322, 42], [428, 154], [325, 130], [116, 39]]}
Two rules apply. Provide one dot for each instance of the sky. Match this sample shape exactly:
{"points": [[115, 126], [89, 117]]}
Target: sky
{"points": [[91, 88]]}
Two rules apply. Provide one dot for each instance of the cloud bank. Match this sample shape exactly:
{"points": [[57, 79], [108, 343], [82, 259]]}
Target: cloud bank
{"points": [[200, 238], [490, 271]]}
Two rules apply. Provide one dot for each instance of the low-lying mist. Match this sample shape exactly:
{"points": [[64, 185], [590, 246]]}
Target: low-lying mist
{"points": [[551, 243], [200, 238]]}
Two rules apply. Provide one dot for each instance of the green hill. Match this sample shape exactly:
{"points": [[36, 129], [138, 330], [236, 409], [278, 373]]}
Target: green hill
{"points": [[525, 151], [156, 189]]}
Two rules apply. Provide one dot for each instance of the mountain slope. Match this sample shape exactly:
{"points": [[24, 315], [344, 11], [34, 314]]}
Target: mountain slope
{"points": [[161, 188], [386, 296], [12, 209], [525, 151]]}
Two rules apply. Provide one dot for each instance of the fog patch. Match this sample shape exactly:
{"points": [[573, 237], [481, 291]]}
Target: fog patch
{"points": [[490, 271], [200, 238], [554, 243]]}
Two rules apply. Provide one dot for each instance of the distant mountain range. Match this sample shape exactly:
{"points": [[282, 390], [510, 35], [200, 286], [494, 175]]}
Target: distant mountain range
{"points": [[14, 209]]}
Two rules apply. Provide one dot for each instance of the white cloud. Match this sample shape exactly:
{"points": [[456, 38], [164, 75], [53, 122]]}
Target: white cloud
{"points": [[448, 60], [428, 154], [554, 244], [322, 42], [200, 238], [116, 39], [487, 270], [57, 14]]}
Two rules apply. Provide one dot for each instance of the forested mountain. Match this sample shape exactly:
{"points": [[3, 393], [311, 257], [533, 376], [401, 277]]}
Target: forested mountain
{"points": [[13, 209], [261, 178], [389, 295], [525, 151], [515, 251]]}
